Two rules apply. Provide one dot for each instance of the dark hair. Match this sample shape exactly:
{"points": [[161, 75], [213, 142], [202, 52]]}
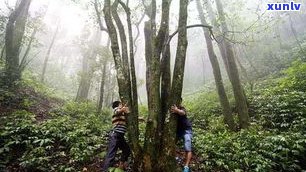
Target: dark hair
{"points": [[115, 104]]}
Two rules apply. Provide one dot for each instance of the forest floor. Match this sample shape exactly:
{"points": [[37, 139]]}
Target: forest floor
{"points": [[26, 98], [180, 155]]}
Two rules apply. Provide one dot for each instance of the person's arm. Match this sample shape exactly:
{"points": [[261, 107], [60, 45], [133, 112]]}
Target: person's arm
{"points": [[124, 109], [176, 110]]}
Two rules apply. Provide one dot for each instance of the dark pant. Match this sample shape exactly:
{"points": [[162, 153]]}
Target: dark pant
{"points": [[116, 141]]}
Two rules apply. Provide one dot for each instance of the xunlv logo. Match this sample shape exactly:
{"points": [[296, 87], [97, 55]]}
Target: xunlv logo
{"points": [[292, 6]]}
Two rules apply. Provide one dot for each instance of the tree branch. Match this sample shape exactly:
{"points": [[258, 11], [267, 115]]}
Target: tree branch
{"points": [[147, 8], [188, 27], [102, 28], [8, 6], [138, 31]]}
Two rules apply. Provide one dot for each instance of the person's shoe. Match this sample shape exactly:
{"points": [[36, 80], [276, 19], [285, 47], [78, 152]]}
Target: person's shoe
{"points": [[186, 169]]}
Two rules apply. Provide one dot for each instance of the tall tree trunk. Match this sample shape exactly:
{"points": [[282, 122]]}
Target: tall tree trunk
{"points": [[294, 33], [123, 78], [132, 61], [217, 31], [241, 67], [227, 113], [164, 50], [102, 84], [23, 62], [154, 46], [165, 86], [101, 96], [130, 78], [233, 74], [138, 33], [165, 72], [153, 90], [176, 89], [153, 86], [155, 69], [123, 42], [2, 52], [110, 86], [48, 54], [203, 63], [87, 68], [13, 39]]}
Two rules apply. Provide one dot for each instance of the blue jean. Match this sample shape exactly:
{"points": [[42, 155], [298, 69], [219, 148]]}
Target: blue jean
{"points": [[116, 141], [187, 136]]}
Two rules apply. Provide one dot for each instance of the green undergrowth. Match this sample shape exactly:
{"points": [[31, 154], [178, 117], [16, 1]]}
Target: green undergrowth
{"points": [[40, 130], [72, 137], [276, 139]]}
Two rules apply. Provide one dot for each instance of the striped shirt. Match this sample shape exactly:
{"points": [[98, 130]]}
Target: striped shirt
{"points": [[119, 121]]}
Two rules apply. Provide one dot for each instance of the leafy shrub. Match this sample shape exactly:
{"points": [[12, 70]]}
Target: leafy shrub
{"points": [[282, 104], [250, 150], [295, 77], [282, 111], [276, 140], [201, 107], [73, 136]]}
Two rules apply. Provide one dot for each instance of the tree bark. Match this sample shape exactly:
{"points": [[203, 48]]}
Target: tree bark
{"points": [[153, 94], [138, 33], [123, 42], [165, 86], [123, 78], [161, 39], [153, 90], [163, 49], [129, 74], [227, 113], [132, 61], [233, 74], [153, 150], [13, 39], [176, 89]]}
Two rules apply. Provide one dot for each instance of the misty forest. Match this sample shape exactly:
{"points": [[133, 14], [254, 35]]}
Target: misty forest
{"points": [[152, 85]]}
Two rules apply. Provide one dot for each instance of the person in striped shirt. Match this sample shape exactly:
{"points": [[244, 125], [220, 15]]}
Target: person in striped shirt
{"points": [[117, 139]]}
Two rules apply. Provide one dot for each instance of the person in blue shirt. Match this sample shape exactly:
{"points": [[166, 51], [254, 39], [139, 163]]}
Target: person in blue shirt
{"points": [[184, 130]]}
